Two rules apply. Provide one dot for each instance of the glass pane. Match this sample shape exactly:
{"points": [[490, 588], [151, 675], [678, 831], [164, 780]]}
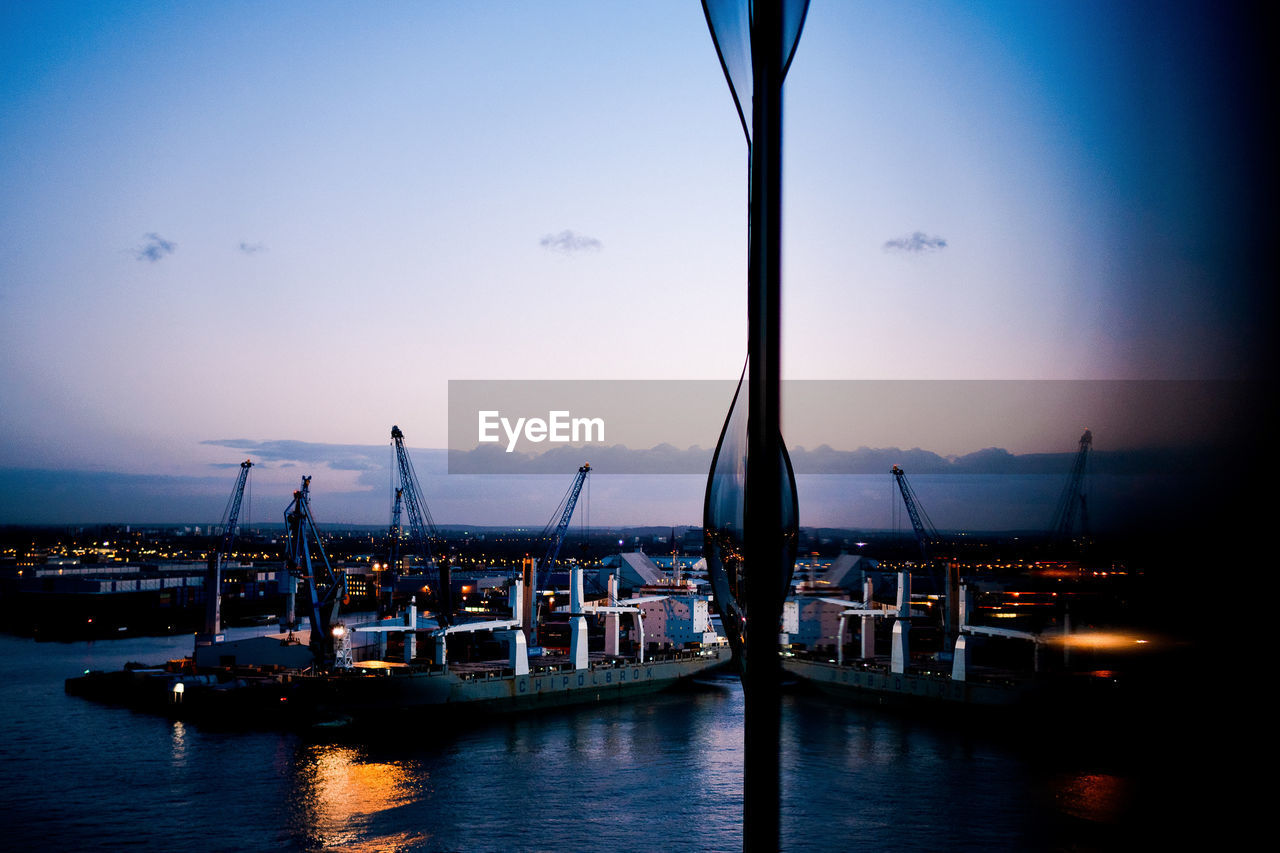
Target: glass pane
{"points": [[723, 522], [730, 27], [793, 14]]}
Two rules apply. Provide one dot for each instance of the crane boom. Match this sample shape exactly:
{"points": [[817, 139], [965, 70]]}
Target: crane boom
{"points": [[213, 577], [920, 523], [325, 588], [927, 535], [422, 530], [233, 512], [543, 572], [1073, 497], [557, 536]]}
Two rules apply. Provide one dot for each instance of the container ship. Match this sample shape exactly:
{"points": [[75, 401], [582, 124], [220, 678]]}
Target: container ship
{"points": [[333, 673], [278, 679], [830, 647]]}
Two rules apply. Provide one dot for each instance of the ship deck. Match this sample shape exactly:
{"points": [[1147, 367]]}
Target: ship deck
{"points": [[546, 663]]}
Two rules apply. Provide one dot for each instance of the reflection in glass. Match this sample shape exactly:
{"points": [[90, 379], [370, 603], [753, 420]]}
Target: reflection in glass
{"points": [[724, 523], [730, 25], [755, 42]]}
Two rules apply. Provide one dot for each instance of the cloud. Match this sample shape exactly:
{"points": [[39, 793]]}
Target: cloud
{"points": [[1160, 491], [340, 457], [567, 242], [252, 248], [155, 248], [370, 462], [45, 496], [915, 243]]}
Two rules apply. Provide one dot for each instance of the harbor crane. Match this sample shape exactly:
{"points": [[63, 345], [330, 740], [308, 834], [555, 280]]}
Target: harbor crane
{"points": [[213, 578], [393, 556], [920, 521], [1073, 497], [325, 588], [422, 532], [543, 572], [231, 517], [393, 552], [927, 537]]}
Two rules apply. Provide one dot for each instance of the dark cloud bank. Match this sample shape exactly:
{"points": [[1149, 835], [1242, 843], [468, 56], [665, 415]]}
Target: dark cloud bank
{"points": [[987, 490]]}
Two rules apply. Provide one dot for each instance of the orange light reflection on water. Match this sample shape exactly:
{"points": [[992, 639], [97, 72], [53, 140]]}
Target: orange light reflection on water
{"points": [[1096, 797], [340, 791], [1108, 640]]}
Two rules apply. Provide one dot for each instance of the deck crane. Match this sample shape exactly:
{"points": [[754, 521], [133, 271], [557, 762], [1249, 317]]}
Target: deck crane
{"points": [[926, 536], [422, 530], [543, 572], [213, 578], [1073, 497], [325, 588]]}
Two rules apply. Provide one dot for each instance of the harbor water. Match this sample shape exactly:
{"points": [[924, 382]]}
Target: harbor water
{"points": [[661, 774]]}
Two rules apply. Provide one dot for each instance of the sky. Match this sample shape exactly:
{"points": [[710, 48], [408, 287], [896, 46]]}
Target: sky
{"points": [[232, 228]]}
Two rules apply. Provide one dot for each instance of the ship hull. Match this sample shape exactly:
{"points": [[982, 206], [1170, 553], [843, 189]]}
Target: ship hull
{"points": [[877, 687], [499, 692], [379, 695]]}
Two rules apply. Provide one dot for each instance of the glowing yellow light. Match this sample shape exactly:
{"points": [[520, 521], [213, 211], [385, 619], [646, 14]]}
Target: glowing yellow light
{"points": [[1101, 640]]}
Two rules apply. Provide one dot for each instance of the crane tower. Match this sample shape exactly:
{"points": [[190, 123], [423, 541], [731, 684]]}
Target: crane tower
{"points": [[543, 574], [213, 578], [325, 588], [926, 537], [422, 532], [1073, 497]]}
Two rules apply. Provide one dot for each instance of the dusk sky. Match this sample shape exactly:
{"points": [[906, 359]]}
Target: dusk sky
{"points": [[228, 226]]}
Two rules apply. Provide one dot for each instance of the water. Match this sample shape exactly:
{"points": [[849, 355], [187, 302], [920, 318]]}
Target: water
{"points": [[659, 775]]}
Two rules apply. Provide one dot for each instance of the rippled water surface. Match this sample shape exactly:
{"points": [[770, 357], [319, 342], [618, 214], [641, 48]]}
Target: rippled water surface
{"points": [[663, 774]]}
